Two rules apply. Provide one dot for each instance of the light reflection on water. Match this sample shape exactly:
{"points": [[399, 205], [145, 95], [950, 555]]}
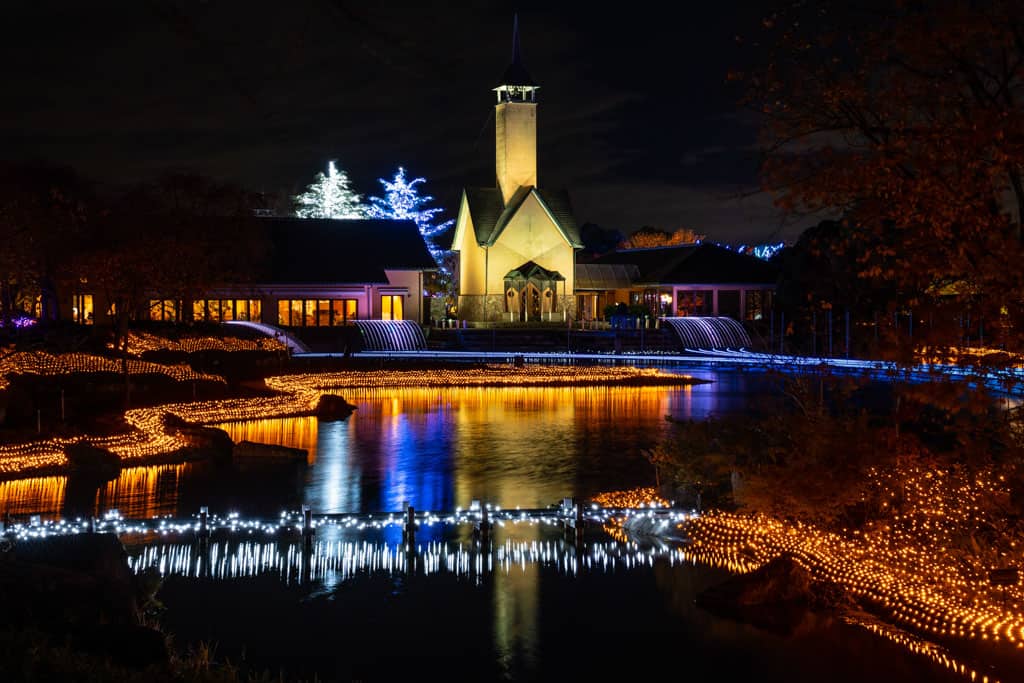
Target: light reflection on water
{"points": [[436, 448], [535, 607], [138, 492]]}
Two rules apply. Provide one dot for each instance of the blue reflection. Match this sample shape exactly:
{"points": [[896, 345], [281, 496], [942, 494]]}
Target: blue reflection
{"points": [[333, 485]]}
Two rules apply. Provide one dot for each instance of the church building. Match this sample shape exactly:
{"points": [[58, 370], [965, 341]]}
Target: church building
{"points": [[517, 242]]}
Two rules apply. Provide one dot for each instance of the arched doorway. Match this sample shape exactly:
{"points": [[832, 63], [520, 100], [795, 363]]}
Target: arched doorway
{"points": [[530, 303], [531, 292]]}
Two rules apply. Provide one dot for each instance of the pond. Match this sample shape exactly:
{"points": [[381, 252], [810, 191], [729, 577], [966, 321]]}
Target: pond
{"points": [[442, 449], [437, 449]]}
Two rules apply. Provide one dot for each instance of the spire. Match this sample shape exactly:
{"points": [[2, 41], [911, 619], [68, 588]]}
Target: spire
{"points": [[516, 75], [516, 57]]}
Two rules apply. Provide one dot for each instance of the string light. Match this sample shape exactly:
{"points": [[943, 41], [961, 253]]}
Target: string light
{"points": [[904, 567], [141, 342], [47, 364]]}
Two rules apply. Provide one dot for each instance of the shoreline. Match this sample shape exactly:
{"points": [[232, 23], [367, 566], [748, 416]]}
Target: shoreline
{"points": [[150, 441]]}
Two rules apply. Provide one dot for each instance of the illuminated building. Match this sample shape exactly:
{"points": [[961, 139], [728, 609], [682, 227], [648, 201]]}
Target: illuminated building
{"points": [[678, 280], [517, 243], [320, 273]]}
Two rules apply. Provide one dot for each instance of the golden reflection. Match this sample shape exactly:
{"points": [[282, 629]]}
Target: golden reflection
{"points": [[143, 491], [516, 603], [295, 432], [299, 395], [40, 496], [621, 402]]}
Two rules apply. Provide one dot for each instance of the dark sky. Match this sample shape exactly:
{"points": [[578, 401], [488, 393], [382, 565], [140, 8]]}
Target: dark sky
{"points": [[636, 117]]}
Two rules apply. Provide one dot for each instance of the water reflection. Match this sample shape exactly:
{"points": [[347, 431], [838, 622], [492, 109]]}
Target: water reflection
{"points": [[137, 492], [435, 448], [534, 607]]}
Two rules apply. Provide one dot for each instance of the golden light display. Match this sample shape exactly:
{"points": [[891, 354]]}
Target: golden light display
{"points": [[299, 396], [47, 364], [902, 570], [140, 342], [630, 498], [905, 569], [492, 375]]}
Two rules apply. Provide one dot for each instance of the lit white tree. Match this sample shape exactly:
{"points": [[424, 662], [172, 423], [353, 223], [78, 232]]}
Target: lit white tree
{"points": [[329, 196], [402, 201]]}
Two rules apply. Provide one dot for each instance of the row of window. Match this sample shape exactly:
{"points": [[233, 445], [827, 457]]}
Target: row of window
{"points": [[316, 312], [290, 312], [215, 310], [701, 302]]}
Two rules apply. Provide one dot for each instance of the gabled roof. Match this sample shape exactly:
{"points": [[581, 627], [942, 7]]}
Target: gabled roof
{"points": [[532, 271], [490, 216], [320, 250], [693, 264]]}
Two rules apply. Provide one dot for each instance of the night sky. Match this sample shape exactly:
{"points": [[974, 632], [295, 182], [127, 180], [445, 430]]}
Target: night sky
{"points": [[636, 117]]}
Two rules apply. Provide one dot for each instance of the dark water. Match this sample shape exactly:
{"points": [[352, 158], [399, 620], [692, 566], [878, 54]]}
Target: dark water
{"points": [[532, 622], [440, 449]]}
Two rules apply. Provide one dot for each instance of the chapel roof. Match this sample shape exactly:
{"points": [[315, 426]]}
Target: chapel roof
{"points": [[490, 216]]}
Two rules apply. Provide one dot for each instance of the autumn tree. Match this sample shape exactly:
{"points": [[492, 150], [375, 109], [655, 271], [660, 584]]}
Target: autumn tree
{"points": [[906, 119], [648, 237]]}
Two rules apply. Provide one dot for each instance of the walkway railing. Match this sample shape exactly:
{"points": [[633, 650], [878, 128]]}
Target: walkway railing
{"points": [[229, 546], [569, 515]]}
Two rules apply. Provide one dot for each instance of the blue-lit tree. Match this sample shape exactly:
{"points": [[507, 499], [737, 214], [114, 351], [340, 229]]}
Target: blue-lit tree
{"points": [[402, 201], [329, 196]]}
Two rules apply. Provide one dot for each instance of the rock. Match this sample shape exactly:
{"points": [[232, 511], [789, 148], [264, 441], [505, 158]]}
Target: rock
{"points": [[331, 407], [93, 461], [777, 597], [210, 440], [267, 453], [135, 646]]}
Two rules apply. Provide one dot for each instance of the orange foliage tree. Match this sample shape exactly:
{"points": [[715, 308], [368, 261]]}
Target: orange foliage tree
{"points": [[647, 237], [907, 119]]}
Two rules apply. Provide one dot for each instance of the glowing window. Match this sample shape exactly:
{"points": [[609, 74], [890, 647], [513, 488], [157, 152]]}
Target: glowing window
{"points": [[81, 309], [160, 309], [391, 307], [344, 311]]}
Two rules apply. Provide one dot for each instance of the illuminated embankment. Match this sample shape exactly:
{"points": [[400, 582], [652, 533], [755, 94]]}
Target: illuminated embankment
{"points": [[299, 395], [906, 570], [47, 364]]}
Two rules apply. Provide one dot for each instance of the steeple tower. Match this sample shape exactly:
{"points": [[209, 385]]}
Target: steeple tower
{"points": [[515, 125]]}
